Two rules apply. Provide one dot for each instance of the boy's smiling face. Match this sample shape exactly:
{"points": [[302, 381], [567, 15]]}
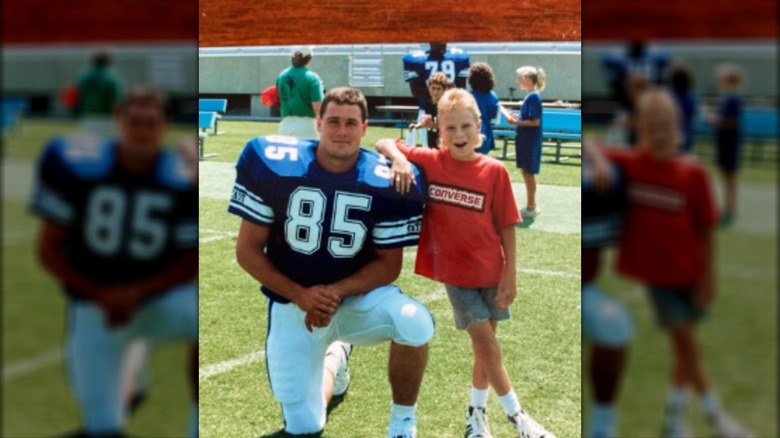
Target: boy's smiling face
{"points": [[459, 130], [658, 124]]}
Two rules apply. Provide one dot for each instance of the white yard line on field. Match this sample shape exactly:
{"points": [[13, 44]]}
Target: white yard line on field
{"points": [[26, 366], [223, 367]]}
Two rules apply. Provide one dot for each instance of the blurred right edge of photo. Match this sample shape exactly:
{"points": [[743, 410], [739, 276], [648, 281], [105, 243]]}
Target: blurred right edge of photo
{"points": [[679, 214]]}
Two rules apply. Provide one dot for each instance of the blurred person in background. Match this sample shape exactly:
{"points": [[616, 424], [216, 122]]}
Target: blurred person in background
{"points": [[119, 232], [728, 137], [300, 95], [626, 74], [528, 135], [667, 244], [437, 85], [482, 80], [98, 91], [420, 65], [681, 81]]}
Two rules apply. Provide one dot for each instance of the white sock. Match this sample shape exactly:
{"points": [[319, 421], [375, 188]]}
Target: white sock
{"points": [[402, 413], [709, 404], [479, 397], [676, 399], [509, 402], [602, 420], [675, 404]]}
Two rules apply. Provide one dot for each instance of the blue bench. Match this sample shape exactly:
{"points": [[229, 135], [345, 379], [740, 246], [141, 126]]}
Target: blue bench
{"points": [[12, 109], [559, 125], [217, 106], [206, 120], [759, 130]]}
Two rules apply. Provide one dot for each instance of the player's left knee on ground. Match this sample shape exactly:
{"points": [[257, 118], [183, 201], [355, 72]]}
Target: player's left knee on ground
{"points": [[303, 418], [412, 321], [605, 321]]}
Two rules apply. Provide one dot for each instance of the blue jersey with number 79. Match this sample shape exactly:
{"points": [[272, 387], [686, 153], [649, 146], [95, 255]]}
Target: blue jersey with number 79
{"points": [[324, 226], [454, 64]]}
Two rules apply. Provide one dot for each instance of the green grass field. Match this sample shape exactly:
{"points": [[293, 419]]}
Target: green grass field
{"points": [[739, 337], [36, 400], [541, 343]]}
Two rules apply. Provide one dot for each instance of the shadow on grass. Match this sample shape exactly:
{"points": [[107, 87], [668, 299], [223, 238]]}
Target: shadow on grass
{"points": [[334, 403]]}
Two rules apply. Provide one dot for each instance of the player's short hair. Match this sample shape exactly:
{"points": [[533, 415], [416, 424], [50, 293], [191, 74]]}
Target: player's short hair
{"points": [[438, 48], [438, 78], [345, 96], [537, 75], [481, 77], [144, 95]]}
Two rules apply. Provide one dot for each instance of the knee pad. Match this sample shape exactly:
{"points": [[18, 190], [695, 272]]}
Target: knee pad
{"points": [[605, 321], [302, 418], [413, 322]]}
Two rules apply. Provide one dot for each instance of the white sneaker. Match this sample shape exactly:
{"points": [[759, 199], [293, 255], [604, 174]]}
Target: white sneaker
{"points": [[676, 429], [403, 429], [527, 427], [337, 357], [727, 427], [525, 212], [477, 424], [675, 425]]}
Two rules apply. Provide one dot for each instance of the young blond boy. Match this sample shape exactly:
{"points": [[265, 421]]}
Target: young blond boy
{"points": [[468, 243], [666, 244]]}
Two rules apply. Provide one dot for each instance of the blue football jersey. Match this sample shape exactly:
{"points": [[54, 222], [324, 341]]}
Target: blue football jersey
{"points": [[419, 64], [324, 226], [602, 212], [124, 227]]}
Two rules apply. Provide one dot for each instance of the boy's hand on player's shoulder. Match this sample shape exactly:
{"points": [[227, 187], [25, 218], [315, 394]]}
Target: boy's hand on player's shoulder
{"points": [[402, 176]]}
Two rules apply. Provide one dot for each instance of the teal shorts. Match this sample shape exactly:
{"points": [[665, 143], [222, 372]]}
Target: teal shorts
{"points": [[674, 305]]}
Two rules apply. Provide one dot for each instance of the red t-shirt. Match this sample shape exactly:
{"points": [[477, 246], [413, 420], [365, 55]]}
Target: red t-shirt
{"points": [[468, 203], [670, 206]]}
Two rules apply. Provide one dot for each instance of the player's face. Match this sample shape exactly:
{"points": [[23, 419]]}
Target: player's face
{"points": [[436, 91], [142, 128], [341, 130], [459, 132], [659, 128]]}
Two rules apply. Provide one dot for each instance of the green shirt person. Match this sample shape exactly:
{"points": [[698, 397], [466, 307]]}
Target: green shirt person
{"points": [[99, 88], [300, 95]]}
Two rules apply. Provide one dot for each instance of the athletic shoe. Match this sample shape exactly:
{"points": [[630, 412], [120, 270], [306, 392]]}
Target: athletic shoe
{"points": [[676, 428], [525, 212], [403, 429], [527, 427], [727, 427], [477, 424], [138, 399], [340, 352]]}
